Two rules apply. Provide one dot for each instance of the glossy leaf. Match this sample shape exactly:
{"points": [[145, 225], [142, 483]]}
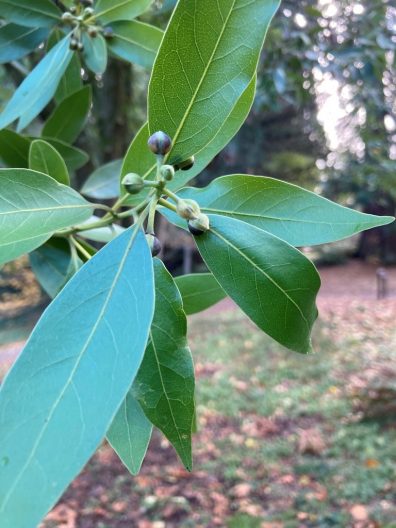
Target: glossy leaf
{"points": [[74, 157], [199, 291], [140, 159], [300, 217], [53, 265], [32, 207], [207, 58], [101, 234], [37, 13], [95, 53], [38, 88], [135, 42], [110, 10], [17, 41], [273, 283], [130, 434], [14, 149], [164, 385], [68, 119], [65, 388], [44, 158], [104, 182]]}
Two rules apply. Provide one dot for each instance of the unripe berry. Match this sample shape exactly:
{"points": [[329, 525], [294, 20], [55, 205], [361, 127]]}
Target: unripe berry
{"points": [[160, 143], [154, 244], [167, 172], [133, 183], [186, 164], [108, 32], [188, 209], [199, 226]]}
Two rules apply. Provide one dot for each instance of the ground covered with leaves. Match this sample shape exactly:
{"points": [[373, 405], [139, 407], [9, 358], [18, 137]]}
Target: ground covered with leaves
{"points": [[284, 441]]}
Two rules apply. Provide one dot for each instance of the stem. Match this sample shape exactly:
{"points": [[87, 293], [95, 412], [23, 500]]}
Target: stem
{"points": [[80, 248], [171, 195], [168, 205], [151, 218]]}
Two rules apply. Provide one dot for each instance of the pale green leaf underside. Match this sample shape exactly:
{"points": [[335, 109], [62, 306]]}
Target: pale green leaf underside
{"points": [[165, 383], [64, 390], [199, 291], [104, 182], [32, 207], [95, 53], [207, 58], [17, 41], [130, 433], [299, 217], [44, 158], [273, 283]]}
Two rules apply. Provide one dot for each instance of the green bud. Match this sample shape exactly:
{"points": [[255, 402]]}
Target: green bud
{"points": [[74, 44], [88, 12], [133, 183], [80, 46], [73, 10], [87, 2], [188, 209], [160, 143], [67, 17], [186, 164], [167, 172], [154, 244], [199, 226]]}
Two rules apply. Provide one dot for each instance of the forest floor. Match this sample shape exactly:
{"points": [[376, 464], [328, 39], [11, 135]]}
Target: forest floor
{"points": [[284, 441]]}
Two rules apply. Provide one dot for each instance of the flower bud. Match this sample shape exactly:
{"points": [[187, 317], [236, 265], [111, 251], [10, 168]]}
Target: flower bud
{"points": [[73, 10], [67, 17], [186, 164], [73, 44], [88, 12], [92, 32], [154, 244], [80, 46], [87, 2], [199, 226], [159, 143], [133, 183], [108, 32], [188, 209], [167, 172]]}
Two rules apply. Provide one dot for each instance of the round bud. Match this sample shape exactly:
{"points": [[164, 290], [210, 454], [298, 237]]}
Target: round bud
{"points": [[186, 164], [67, 17], [167, 172], [80, 46], [74, 44], [133, 183], [154, 244], [92, 32], [160, 143], [108, 32], [73, 10], [88, 12], [87, 2], [199, 226], [188, 209]]}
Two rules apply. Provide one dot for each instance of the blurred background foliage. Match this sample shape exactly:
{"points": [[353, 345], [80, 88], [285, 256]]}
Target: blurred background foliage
{"points": [[323, 118]]}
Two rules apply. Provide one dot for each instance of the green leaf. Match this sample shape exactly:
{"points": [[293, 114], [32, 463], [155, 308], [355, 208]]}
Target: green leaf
{"points": [[37, 13], [38, 88], [164, 386], [299, 217], [199, 291], [101, 234], [32, 207], [65, 388], [53, 264], [14, 149], [74, 157], [130, 434], [68, 119], [139, 158], [110, 10], [135, 42], [207, 58], [273, 283], [104, 182], [95, 53], [18, 41], [44, 158]]}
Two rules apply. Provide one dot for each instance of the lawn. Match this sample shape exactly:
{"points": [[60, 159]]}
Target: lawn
{"points": [[284, 441]]}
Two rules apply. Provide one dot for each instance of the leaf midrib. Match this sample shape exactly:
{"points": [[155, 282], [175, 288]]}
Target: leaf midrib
{"points": [[31, 8]]}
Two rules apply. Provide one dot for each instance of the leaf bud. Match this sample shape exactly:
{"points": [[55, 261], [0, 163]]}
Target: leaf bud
{"points": [[154, 244], [199, 226], [188, 209], [133, 183], [160, 143], [108, 32], [167, 172], [186, 164]]}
